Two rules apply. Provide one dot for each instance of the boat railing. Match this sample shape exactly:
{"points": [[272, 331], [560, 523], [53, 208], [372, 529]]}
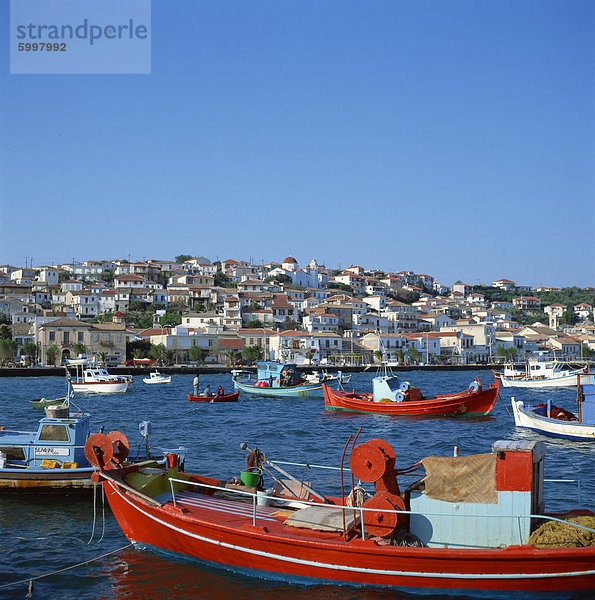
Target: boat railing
{"points": [[259, 496]]}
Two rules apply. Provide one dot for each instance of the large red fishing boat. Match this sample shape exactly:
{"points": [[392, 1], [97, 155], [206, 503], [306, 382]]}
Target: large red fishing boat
{"points": [[392, 397], [463, 529]]}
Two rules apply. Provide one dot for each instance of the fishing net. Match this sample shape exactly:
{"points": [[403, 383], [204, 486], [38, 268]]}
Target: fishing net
{"points": [[553, 534]]}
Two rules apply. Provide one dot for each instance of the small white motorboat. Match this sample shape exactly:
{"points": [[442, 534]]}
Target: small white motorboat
{"points": [[156, 377]]}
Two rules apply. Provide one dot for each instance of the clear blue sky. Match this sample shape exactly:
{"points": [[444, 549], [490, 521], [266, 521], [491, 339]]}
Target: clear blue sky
{"points": [[454, 138]]}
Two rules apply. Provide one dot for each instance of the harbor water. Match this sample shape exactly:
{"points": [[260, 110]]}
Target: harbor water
{"points": [[43, 535]]}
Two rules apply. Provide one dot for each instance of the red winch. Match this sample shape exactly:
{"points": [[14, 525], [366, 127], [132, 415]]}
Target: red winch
{"points": [[374, 462]]}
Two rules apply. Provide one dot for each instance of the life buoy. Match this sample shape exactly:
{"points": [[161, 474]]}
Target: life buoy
{"points": [[278, 381], [399, 397], [404, 387]]}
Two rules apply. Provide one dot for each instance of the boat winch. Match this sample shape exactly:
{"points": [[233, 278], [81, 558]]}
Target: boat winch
{"points": [[102, 449], [374, 462]]}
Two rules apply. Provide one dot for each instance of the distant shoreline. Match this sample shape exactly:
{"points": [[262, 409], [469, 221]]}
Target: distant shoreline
{"points": [[186, 370]]}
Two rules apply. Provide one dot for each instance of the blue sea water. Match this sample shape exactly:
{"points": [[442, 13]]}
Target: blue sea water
{"points": [[42, 535]]}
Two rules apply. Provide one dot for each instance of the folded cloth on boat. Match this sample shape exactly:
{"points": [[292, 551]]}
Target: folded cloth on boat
{"points": [[321, 518]]}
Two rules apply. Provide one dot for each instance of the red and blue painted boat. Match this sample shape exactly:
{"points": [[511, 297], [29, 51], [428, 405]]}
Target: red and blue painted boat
{"points": [[463, 529], [400, 399]]}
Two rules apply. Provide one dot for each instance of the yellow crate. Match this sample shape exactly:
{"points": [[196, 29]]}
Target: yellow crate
{"points": [[49, 464], [69, 465]]}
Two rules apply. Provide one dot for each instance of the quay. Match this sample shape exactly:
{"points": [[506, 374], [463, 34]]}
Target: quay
{"points": [[211, 369]]}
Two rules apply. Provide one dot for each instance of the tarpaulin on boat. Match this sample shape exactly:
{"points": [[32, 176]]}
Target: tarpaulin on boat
{"points": [[461, 478]]}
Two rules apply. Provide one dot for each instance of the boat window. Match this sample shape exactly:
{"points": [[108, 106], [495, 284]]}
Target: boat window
{"points": [[13, 453], [54, 433]]}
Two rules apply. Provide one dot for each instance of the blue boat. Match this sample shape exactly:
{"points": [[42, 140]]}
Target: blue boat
{"points": [[282, 379], [52, 459]]}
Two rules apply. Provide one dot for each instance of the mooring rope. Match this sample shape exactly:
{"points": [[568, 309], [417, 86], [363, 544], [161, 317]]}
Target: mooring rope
{"points": [[30, 580]]}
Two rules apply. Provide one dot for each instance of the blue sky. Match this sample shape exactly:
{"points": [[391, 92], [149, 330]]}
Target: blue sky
{"points": [[453, 138]]}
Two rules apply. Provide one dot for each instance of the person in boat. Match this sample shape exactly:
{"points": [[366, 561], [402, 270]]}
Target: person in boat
{"points": [[195, 385], [220, 391], [207, 393]]}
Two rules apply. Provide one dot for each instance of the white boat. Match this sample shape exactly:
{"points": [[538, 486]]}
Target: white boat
{"points": [[93, 379], [552, 420], [324, 377], [156, 377], [538, 374]]}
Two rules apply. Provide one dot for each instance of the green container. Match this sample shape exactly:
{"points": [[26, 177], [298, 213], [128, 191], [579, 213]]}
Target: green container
{"points": [[250, 479]]}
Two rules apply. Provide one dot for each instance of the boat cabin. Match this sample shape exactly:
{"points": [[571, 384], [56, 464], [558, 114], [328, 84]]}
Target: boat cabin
{"points": [[448, 502], [277, 375], [58, 443], [388, 388]]}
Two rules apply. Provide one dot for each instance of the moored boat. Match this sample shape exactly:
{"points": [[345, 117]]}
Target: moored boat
{"points": [[390, 396], [280, 379], [156, 377], [232, 397], [52, 459], [464, 529], [542, 374], [90, 378], [548, 419]]}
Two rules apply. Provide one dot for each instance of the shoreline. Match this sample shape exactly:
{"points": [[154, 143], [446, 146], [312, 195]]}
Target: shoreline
{"points": [[212, 369]]}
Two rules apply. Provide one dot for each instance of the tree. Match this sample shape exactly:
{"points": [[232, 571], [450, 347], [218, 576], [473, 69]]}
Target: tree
{"points": [[31, 350], [196, 353], [169, 357], [251, 353], [79, 348], [182, 258], [231, 356], [51, 352], [400, 355], [309, 356], [254, 324], [157, 351], [569, 317], [171, 318], [5, 332], [281, 278], [142, 345], [338, 285], [221, 280], [4, 320], [378, 355], [413, 353], [8, 350]]}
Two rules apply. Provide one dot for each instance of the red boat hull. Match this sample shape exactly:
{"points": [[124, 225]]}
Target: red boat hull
{"points": [[209, 530], [223, 398], [466, 403]]}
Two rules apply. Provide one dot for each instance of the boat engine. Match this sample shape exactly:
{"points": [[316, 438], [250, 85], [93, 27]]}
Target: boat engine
{"points": [[374, 462]]}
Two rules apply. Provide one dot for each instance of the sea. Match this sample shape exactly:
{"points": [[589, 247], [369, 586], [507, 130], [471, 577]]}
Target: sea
{"points": [[42, 536]]}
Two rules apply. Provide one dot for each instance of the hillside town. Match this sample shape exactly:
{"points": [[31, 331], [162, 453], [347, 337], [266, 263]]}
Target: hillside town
{"points": [[195, 311]]}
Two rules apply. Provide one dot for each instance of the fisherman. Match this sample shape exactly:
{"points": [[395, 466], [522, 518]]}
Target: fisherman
{"points": [[195, 385], [220, 391], [207, 393]]}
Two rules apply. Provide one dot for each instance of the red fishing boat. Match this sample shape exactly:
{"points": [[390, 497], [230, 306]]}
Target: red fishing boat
{"points": [[391, 397], [463, 529], [233, 397]]}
